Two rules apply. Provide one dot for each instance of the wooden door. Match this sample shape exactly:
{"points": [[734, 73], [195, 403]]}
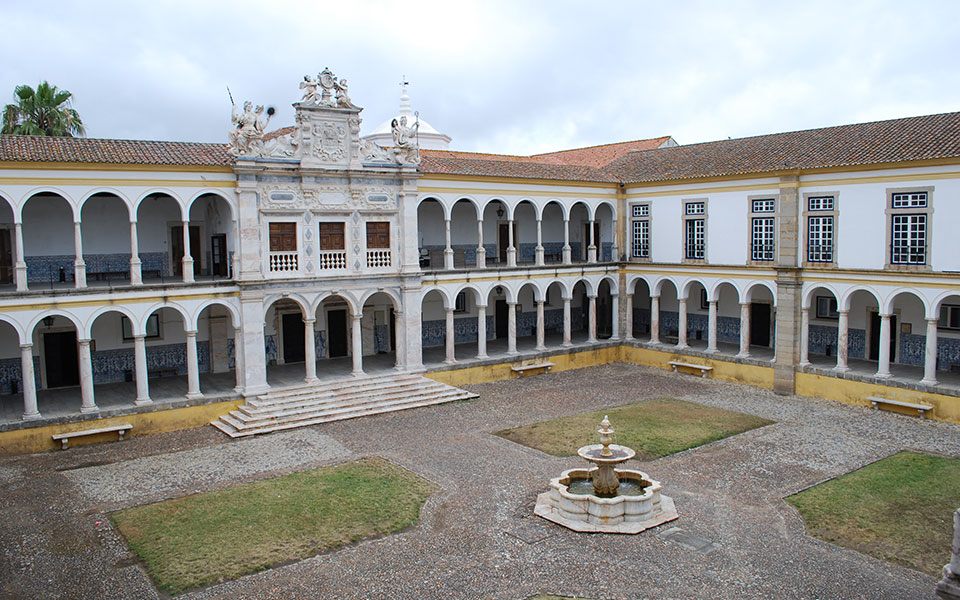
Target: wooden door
{"points": [[218, 255], [176, 246], [60, 358], [337, 333], [293, 334]]}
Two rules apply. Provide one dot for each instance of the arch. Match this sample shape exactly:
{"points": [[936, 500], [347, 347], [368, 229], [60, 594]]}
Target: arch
{"points": [[135, 323], [565, 290], [684, 291], [444, 294], [18, 213], [234, 312], [843, 302], [632, 281], [657, 287], [472, 287], [394, 296], [184, 214], [470, 200], [612, 281], [613, 208], [106, 190], [808, 293], [509, 294], [747, 295], [213, 192], [10, 203], [184, 313], [713, 293], [295, 298], [887, 305], [16, 327], [32, 325], [588, 286], [508, 210], [938, 302], [537, 292], [443, 205]]}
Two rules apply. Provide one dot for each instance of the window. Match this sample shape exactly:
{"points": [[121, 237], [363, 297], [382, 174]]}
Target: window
{"points": [[696, 208], [283, 237], [827, 307], [153, 327], [764, 234], [460, 304], [378, 234], [641, 238], [908, 230], [820, 203], [696, 239], [820, 239], [641, 210], [704, 304], [949, 317], [332, 237], [766, 205]]}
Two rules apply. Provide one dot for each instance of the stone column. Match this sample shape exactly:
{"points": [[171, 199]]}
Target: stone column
{"points": [[930, 359], [235, 264], [592, 248], [511, 249], [79, 267], [541, 326], [187, 254], [450, 339], [448, 249], [511, 327], [357, 335], [615, 246], [193, 367], [539, 248], [805, 336], [655, 319], [592, 320], [21, 262], [744, 330], [309, 350], [883, 358], [948, 588], [87, 403], [249, 347], [238, 359], [566, 323], [682, 324], [30, 412], [481, 251], [481, 331], [842, 341], [628, 336], [712, 326], [566, 242], [136, 275], [614, 317], [140, 367], [400, 354]]}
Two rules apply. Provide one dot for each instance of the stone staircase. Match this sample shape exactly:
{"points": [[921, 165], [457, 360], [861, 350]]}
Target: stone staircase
{"points": [[334, 401]]}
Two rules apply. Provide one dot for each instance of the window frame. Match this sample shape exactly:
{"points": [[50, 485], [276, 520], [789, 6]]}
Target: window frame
{"points": [[321, 234], [765, 213], [892, 213], [808, 214], [377, 224], [948, 308], [282, 237], [640, 214], [126, 328], [694, 210], [827, 307]]}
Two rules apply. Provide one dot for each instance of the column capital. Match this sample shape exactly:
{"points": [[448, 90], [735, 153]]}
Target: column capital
{"points": [[482, 306], [357, 316], [140, 336], [190, 332], [885, 315], [541, 301], [934, 320], [309, 321], [84, 341], [844, 312], [712, 301], [26, 346]]}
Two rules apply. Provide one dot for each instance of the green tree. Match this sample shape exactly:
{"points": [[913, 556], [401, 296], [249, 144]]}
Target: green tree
{"points": [[44, 111]]}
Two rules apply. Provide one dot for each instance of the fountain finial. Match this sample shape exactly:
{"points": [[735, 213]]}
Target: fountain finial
{"points": [[605, 432]]}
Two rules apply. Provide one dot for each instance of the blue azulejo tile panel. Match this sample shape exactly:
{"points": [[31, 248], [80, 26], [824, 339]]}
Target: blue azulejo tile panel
{"points": [[527, 252], [912, 348], [11, 381], [111, 366], [381, 339], [822, 339], [107, 263], [948, 353], [641, 321], [433, 333], [49, 268], [668, 323], [464, 330], [856, 343], [728, 329], [270, 348], [320, 341], [154, 263], [606, 253], [552, 251], [231, 354]]}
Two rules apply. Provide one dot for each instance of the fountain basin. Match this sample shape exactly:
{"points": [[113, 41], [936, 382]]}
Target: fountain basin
{"points": [[640, 508]]}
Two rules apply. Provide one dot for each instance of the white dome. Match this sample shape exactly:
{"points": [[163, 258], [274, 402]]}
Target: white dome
{"points": [[427, 136]]}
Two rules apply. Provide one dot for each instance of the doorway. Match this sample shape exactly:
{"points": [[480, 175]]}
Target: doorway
{"points": [[6, 257], [337, 333], [218, 255], [501, 319], [875, 337], [759, 324], [60, 358], [293, 330], [176, 246]]}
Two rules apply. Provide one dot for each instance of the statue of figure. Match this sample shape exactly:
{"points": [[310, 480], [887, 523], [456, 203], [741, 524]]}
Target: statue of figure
{"points": [[343, 100], [310, 95], [250, 126], [406, 150], [371, 152]]}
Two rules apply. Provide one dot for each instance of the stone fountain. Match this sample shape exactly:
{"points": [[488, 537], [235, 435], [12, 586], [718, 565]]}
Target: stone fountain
{"points": [[603, 498]]}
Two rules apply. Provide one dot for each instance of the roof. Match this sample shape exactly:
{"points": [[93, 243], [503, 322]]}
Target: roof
{"points": [[863, 144], [598, 156], [28, 148], [445, 162]]}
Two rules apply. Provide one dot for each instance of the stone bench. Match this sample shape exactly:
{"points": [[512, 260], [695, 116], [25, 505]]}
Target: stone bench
{"points": [[64, 438], [920, 408], [524, 368], [704, 369]]}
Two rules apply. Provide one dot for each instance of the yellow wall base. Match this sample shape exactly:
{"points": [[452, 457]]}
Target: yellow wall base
{"points": [[946, 408], [39, 439]]}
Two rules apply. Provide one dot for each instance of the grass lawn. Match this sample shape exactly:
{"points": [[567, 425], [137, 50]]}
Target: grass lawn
{"points": [[898, 509], [653, 428], [204, 538]]}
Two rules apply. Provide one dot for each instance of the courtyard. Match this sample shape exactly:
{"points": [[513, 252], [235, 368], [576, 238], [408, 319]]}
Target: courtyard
{"points": [[477, 537]]}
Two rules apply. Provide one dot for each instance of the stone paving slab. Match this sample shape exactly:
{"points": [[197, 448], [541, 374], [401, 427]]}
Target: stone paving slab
{"points": [[162, 474]]}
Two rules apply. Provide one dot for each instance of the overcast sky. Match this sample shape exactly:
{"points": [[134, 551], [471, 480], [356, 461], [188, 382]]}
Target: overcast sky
{"points": [[510, 77]]}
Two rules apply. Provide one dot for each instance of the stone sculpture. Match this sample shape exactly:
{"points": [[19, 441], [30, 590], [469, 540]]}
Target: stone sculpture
{"points": [[406, 151], [949, 586], [245, 138]]}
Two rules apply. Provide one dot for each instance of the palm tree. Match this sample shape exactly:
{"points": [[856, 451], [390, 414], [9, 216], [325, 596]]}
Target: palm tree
{"points": [[45, 111]]}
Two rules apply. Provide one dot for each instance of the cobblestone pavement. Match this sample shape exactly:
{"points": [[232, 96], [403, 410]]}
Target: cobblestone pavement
{"points": [[477, 537]]}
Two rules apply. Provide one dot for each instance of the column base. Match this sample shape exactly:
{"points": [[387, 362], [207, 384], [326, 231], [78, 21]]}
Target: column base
{"points": [[841, 369], [929, 382], [194, 395], [883, 375], [450, 361], [142, 402], [483, 356], [683, 346], [310, 379], [357, 373], [512, 352], [711, 351], [31, 416], [742, 355], [566, 254], [540, 348], [805, 363], [566, 344], [89, 409]]}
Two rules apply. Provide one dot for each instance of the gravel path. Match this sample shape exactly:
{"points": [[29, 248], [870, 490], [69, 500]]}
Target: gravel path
{"points": [[477, 538]]}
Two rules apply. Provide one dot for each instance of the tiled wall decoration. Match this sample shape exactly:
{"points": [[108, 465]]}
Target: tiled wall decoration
{"points": [[111, 366], [10, 375], [50, 269], [822, 339], [47, 269], [433, 333], [381, 338]]}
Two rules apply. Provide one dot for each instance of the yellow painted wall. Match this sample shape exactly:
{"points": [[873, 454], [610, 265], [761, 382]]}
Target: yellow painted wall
{"points": [[501, 371], [38, 439], [946, 408], [727, 371]]}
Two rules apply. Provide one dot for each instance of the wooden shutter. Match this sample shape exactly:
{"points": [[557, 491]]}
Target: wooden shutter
{"points": [[283, 237], [332, 236], [378, 234]]}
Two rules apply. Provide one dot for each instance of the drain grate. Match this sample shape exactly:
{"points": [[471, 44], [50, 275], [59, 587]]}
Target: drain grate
{"points": [[689, 541]]}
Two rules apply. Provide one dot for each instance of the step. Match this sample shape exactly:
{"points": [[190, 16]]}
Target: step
{"points": [[326, 395], [338, 407], [331, 404], [242, 432], [332, 387]]}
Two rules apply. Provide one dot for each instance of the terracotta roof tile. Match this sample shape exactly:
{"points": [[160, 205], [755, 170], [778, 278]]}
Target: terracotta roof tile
{"points": [[598, 156], [501, 166], [25, 148], [864, 144]]}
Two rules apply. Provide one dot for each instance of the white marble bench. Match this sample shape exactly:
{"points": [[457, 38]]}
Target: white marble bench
{"points": [[64, 438], [920, 408], [704, 369], [523, 368]]}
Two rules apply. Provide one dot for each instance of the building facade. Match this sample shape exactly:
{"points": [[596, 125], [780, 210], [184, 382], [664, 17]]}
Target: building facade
{"points": [[818, 260]]}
